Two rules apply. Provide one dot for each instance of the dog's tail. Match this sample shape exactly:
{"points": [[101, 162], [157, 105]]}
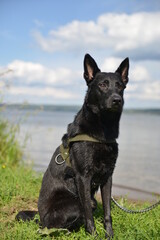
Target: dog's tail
{"points": [[26, 216]]}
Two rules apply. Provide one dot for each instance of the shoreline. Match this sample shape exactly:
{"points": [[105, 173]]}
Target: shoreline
{"points": [[128, 192], [134, 194], [131, 196]]}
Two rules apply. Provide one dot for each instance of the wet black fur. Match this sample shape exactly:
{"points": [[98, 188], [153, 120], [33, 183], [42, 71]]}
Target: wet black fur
{"points": [[66, 197]]}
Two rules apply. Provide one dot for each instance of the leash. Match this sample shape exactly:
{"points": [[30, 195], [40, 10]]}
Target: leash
{"points": [[136, 211], [64, 157]]}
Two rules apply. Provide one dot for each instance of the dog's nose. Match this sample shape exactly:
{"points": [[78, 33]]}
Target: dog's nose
{"points": [[116, 101]]}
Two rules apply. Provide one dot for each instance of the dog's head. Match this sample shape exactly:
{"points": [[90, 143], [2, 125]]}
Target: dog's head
{"points": [[105, 90]]}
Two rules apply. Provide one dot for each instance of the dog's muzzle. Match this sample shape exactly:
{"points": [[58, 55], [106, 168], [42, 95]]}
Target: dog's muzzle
{"points": [[115, 102]]}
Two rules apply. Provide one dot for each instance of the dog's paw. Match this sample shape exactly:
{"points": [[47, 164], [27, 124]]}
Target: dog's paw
{"points": [[90, 228], [109, 232]]}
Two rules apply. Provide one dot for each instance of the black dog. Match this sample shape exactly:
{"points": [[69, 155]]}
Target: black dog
{"points": [[66, 198]]}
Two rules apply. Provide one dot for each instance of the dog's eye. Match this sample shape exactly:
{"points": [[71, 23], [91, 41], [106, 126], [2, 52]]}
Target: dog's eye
{"points": [[103, 85], [119, 86]]}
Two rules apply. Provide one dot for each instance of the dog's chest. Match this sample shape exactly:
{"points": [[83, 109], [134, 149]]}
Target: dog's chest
{"points": [[95, 161], [103, 163]]}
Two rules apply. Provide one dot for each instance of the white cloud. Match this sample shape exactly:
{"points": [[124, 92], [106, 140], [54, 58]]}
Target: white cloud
{"points": [[42, 92], [136, 73], [74, 35], [131, 88], [131, 31], [34, 82], [30, 81], [146, 91], [118, 32], [151, 91], [111, 64], [140, 73], [142, 84], [37, 73]]}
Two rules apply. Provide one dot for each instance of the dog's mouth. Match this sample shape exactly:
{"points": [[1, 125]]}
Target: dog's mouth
{"points": [[116, 108], [113, 104]]}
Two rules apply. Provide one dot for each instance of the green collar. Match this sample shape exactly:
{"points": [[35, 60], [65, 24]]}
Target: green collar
{"points": [[64, 152]]}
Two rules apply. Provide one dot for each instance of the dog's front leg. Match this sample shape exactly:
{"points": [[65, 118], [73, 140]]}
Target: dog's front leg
{"points": [[106, 199], [84, 190]]}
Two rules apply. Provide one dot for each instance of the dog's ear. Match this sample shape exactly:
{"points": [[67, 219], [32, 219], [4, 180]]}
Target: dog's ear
{"points": [[123, 70], [90, 68]]}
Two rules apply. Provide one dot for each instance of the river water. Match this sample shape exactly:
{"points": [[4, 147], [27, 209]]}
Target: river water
{"points": [[138, 164]]}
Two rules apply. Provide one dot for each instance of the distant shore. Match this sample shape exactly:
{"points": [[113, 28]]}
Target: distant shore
{"points": [[72, 108], [133, 193]]}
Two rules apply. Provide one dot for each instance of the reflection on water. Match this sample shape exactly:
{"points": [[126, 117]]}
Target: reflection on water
{"points": [[138, 164]]}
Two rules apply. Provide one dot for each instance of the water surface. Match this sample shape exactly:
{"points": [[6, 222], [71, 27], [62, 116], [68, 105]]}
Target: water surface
{"points": [[138, 164]]}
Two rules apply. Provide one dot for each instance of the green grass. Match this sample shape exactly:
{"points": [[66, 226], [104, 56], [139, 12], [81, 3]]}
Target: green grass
{"points": [[19, 189], [10, 150]]}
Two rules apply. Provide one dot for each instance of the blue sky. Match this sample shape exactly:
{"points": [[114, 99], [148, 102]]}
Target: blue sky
{"points": [[43, 44]]}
